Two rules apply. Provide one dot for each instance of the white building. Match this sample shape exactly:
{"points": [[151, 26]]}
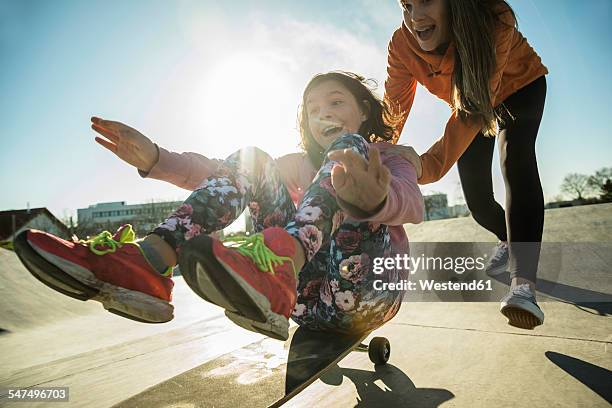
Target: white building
{"points": [[146, 216]]}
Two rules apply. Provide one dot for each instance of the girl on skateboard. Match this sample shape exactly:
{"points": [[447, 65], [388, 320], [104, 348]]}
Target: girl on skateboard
{"points": [[353, 191], [470, 54]]}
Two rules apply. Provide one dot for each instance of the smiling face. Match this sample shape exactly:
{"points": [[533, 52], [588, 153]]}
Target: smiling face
{"points": [[332, 112], [427, 21]]}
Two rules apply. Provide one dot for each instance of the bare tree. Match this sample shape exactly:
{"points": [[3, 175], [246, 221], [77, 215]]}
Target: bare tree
{"points": [[85, 228], [601, 182], [576, 185]]}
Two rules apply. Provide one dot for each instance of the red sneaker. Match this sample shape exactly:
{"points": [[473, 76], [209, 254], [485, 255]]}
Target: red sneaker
{"points": [[109, 269], [253, 278]]}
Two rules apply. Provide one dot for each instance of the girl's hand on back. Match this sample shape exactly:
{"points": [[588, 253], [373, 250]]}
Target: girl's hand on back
{"points": [[408, 153], [127, 143], [364, 184]]}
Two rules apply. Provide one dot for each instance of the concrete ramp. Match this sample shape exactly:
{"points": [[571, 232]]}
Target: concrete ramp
{"points": [[27, 303], [587, 223]]}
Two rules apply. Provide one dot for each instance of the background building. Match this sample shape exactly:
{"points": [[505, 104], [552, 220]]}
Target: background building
{"points": [[436, 207], [458, 210], [109, 216]]}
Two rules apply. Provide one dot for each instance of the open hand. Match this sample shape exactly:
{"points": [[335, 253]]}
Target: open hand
{"points": [[127, 143], [364, 184]]}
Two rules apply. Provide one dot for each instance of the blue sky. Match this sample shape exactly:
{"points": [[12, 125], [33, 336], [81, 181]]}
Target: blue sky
{"points": [[211, 77]]}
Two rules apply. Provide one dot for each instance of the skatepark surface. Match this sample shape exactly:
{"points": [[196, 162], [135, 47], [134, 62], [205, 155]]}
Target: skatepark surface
{"points": [[444, 353]]}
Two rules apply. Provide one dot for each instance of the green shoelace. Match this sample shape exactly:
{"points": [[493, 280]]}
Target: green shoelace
{"points": [[110, 245], [253, 246], [105, 240]]}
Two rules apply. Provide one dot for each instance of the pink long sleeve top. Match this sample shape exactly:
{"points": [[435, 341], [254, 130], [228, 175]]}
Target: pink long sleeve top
{"points": [[404, 202]]}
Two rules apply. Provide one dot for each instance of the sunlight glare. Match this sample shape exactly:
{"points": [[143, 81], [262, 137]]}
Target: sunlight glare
{"points": [[247, 100]]}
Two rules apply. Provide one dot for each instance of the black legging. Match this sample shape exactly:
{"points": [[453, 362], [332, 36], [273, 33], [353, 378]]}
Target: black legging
{"points": [[522, 223]]}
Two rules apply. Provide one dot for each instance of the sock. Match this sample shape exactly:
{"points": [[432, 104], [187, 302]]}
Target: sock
{"points": [[154, 258]]}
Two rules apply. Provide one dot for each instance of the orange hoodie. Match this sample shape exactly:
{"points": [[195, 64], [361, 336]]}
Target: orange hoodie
{"points": [[517, 64]]}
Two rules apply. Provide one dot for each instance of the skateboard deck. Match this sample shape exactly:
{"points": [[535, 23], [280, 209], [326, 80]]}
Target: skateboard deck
{"points": [[266, 373]]}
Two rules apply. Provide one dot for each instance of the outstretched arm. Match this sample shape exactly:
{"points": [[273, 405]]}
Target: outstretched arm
{"points": [[185, 170], [126, 143]]}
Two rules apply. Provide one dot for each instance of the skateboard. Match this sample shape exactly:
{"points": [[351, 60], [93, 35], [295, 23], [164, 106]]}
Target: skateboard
{"points": [[267, 373], [312, 353]]}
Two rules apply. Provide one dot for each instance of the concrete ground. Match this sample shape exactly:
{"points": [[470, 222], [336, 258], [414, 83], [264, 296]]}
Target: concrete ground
{"points": [[464, 355], [450, 354]]}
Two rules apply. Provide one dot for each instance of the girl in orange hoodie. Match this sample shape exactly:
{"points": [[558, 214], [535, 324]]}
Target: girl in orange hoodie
{"points": [[470, 54]]}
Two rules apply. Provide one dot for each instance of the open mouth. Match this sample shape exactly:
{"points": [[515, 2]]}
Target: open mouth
{"points": [[425, 33], [331, 130]]}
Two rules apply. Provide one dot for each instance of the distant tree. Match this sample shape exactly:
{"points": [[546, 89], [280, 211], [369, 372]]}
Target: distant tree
{"points": [[84, 229], [576, 185], [601, 182], [68, 221], [606, 195]]}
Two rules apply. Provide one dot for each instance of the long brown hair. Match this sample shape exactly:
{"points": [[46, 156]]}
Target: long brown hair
{"points": [[473, 25], [378, 127]]}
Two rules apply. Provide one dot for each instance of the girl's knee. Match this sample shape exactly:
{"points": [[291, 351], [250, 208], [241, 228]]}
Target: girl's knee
{"points": [[249, 154], [249, 158], [255, 152], [350, 140]]}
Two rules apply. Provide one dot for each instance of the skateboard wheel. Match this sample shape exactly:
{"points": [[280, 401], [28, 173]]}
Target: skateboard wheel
{"points": [[379, 350]]}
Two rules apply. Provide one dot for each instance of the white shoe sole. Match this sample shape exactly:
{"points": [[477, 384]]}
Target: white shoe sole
{"points": [[79, 283]]}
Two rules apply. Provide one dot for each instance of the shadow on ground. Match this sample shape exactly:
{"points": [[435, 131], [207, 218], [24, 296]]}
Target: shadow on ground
{"points": [[597, 378], [387, 387]]}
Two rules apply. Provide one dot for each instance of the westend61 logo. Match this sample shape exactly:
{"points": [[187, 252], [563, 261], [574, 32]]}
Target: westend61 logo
{"points": [[458, 265]]}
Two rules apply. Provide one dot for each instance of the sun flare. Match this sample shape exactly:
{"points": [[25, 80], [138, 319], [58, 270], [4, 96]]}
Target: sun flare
{"points": [[248, 100]]}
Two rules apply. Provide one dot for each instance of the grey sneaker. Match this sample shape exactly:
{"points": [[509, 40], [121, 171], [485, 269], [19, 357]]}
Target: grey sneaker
{"points": [[499, 261], [521, 308]]}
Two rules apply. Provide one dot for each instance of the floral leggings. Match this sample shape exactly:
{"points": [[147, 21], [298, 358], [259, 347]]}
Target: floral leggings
{"points": [[335, 286]]}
